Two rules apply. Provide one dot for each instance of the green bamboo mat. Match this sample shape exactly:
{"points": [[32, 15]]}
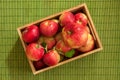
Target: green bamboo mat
{"points": [[104, 65]]}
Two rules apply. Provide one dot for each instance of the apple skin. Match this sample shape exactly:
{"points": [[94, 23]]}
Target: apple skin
{"points": [[58, 36], [66, 18], [87, 29], [89, 45], [61, 46], [39, 64], [50, 41], [31, 34], [81, 18], [34, 51], [75, 35], [49, 28], [51, 58]]}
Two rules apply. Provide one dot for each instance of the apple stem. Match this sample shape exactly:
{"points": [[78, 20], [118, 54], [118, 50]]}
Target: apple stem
{"points": [[37, 46], [54, 48], [46, 48], [79, 22], [69, 32]]}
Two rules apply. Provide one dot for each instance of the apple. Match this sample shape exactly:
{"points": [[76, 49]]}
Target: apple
{"points": [[49, 28], [75, 35], [89, 45], [39, 64], [49, 41], [81, 18], [66, 18], [51, 58], [31, 34], [58, 36], [87, 29], [61, 46], [34, 51]]}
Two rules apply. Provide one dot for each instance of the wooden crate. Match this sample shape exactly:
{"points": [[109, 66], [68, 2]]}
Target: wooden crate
{"points": [[80, 8]]}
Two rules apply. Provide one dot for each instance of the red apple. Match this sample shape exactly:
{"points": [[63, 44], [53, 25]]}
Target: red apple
{"points": [[58, 37], [50, 41], [31, 34], [75, 35], [61, 46], [89, 45], [51, 58], [66, 18], [81, 18], [49, 28], [34, 51], [39, 64]]}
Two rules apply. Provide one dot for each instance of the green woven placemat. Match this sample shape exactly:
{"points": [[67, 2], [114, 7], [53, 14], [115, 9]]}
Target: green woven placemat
{"points": [[104, 65]]}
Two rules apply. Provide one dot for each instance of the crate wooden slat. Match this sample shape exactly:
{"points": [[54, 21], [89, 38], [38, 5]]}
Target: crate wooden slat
{"points": [[80, 8]]}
